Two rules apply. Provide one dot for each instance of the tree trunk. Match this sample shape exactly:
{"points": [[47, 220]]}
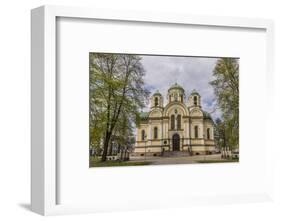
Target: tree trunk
{"points": [[110, 149], [121, 157], [105, 147]]}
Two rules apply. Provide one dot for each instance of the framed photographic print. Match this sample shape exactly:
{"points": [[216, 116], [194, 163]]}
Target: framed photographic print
{"points": [[137, 110], [141, 115]]}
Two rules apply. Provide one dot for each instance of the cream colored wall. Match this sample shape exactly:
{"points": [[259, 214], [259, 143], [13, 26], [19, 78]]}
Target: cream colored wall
{"points": [[148, 149], [186, 131], [171, 111], [199, 148], [196, 112], [210, 148], [208, 124], [153, 124], [199, 123], [168, 111], [165, 128], [197, 120], [209, 142], [156, 142], [139, 129], [197, 142], [156, 113]]}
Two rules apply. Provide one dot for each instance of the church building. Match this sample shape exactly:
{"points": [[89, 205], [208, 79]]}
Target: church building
{"points": [[179, 127]]}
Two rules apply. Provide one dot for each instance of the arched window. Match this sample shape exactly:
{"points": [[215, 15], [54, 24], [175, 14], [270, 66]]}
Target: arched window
{"points": [[196, 131], [173, 122], [155, 132], [179, 122], [181, 98], [195, 100], [142, 135], [156, 101], [208, 134]]}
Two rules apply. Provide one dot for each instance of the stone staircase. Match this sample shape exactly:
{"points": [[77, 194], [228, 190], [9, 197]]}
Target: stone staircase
{"points": [[176, 154]]}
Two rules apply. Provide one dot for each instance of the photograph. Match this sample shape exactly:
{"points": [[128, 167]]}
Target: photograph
{"points": [[162, 109]]}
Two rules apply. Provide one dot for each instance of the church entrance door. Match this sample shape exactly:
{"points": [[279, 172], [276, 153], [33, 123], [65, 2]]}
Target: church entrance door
{"points": [[176, 142]]}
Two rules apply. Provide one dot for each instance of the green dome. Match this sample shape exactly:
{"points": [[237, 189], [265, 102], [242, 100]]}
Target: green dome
{"points": [[176, 86], [157, 93], [206, 115], [194, 92], [144, 115]]}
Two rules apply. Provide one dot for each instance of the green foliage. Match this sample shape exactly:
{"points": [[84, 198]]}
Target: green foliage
{"points": [[226, 87], [220, 134], [117, 93]]}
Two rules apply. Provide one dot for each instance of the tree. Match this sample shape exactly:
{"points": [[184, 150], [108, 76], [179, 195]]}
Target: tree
{"points": [[116, 86], [220, 137], [123, 134], [226, 87]]}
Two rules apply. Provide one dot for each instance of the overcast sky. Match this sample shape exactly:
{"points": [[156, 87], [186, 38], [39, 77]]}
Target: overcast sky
{"points": [[189, 72]]}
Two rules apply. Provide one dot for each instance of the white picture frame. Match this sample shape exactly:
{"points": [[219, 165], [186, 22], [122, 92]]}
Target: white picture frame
{"points": [[44, 103]]}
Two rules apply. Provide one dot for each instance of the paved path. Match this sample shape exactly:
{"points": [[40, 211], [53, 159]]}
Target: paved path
{"points": [[176, 160]]}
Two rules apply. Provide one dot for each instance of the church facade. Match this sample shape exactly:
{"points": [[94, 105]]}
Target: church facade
{"points": [[179, 126]]}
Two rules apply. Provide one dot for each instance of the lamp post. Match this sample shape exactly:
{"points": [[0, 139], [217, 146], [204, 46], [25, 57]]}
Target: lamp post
{"points": [[145, 147]]}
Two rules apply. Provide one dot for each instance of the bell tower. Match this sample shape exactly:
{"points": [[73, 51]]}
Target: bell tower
{"points": [[194, 99], [156, 100]]}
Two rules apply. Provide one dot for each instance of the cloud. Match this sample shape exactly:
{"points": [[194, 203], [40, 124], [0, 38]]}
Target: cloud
{"points": [[189, 72]]}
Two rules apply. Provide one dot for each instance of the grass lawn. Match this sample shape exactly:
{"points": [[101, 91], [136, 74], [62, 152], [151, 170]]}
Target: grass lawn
{"points": [[217, 161], [94, 162]]}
